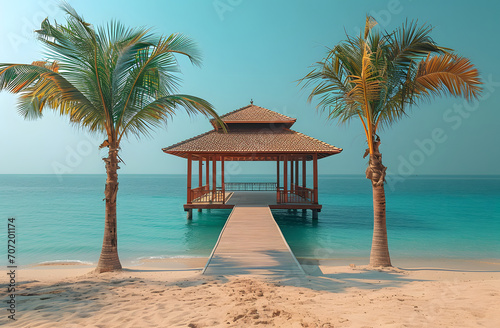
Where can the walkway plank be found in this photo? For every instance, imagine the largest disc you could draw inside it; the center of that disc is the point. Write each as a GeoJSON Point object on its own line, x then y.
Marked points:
{"type": "Point", "coordinates": [252, 243]}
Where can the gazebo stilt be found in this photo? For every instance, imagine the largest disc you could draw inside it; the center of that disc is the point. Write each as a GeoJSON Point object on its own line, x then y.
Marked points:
{"type": "Point", "coordinates": [314, 214]}
{"type": "Point", "coordinates": [190, 214]}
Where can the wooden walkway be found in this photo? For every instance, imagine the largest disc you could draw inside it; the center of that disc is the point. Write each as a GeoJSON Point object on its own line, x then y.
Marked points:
{"type": "Point", "coordinates": [252, 243]}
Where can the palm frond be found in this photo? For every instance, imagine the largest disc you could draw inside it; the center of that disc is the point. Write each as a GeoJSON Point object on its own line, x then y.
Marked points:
{"type": "Point", "coordinates": [377, 76]}
{"type": "Point", "coordinates": [331, 87]}
{"type": "Point", "coordinates": [149, 73]}
{"type": "Point", "coordinates": [447, 74]}
{"type": "Point", "coordinates": [107, 79]}
{"type": "Point", "coordinates": [40, 85]}
{"type": "Point", "coordinates": [366, 86]}
{"type": "Point", "coordinates": [390, 110]}
{"type": "Point", "coordinates": [411, 42]}
{"type": "Point", "coordinates": [160, 110]}
{"type": "Point", "coordinates": [183, 45]}
{"type": "Point", "coordinates": [369, 24]}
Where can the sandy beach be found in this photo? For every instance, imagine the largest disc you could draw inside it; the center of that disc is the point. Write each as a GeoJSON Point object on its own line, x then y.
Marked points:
{"type": "Point", "coordinates": [173, 293]}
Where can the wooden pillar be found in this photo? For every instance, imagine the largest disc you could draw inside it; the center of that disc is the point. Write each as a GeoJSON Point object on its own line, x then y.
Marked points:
{"type": "Point", "coordinates": [291, 175]}
{"type": "Point", "coordinates": [200, 172]}
{"type": "Point", "coordinates": [222, 180]}
{"type": "Point", "coordinates": [189, 168]}
{"type": "Point", "coordinates": [278, 180]}
{"type": "Point", "coordinates": [207, 173]}
{"type": "Point", "coordinates": [315, 174]}
{"type": "Point", "coordinates": [214, 177]}
{"type": "Point", "coordinates": [304, 172]}
{"type": "Point", "coordinates": [285, 179]}
{"type": "Point", "coordinates": [296, 175]}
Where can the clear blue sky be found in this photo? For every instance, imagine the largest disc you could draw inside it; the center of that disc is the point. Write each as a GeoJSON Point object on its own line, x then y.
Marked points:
{"type": "Point", "coordinates": [257, 49]}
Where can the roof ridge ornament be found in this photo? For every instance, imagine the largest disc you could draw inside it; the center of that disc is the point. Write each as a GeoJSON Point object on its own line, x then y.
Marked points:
{"type": "Point", "coordinates": [251, 101]}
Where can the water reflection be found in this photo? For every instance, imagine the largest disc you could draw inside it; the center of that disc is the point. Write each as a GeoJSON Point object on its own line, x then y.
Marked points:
{"type": "Point", "coordinates": [203, 230]}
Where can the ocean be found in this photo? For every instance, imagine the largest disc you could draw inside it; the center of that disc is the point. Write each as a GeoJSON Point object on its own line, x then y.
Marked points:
{"type": "Point", "coordinates": [62, 218]}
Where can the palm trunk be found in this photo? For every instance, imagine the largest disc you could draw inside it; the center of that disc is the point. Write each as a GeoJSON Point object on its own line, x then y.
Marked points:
{"type": "Point", "coordinates": [109, 261]}
{"type": "Point", "coordinates": [379, 255]}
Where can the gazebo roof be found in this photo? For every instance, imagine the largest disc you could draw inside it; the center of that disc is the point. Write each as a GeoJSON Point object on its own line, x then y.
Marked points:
{"type": "Point", "coordinates": [254, 114]}
{"type": "Point", "coordinates": [254, 133]}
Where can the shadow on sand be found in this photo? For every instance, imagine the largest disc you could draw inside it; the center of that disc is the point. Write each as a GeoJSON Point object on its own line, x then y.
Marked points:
{"type": "Point", "coordinates": [85, 296]}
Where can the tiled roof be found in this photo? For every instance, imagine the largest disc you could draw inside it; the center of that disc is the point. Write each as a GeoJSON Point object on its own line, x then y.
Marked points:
{"type": "Point", "coordinates": [255, 114]}
{"type": "Point", "coordinates": [245, 142]}
{"type": "Point", "coordinates": [254, 132]}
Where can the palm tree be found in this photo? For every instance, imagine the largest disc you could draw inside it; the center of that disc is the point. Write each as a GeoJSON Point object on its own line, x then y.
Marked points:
{"type": "Point", "coordinates": [110, 80]}
{"type": "Point", "coordinates": [376, 77]}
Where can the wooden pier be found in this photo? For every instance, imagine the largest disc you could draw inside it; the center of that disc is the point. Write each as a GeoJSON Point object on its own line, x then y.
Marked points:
{"type": "Point", "coordinates": [252, 243]}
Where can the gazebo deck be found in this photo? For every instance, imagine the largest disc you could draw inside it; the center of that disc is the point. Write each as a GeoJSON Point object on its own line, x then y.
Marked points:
{"type": "Point", "coordinates": [252, 198]}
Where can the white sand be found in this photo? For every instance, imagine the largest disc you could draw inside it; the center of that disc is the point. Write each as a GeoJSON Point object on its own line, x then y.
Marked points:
{"type": "Point", "coordinates": [174, 294]}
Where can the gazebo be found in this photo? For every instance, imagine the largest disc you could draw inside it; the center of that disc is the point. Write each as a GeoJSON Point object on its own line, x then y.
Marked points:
{"type": "Point", "coordinates": [253, 134]}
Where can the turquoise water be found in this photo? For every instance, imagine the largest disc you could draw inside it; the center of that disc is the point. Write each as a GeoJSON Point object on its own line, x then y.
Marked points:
{"type": "Point", "coordinates": [60, 219]}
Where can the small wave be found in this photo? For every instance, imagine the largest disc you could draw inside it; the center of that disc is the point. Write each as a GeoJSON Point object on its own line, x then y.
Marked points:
{"type": "Point", "coordinates": [64, 262]}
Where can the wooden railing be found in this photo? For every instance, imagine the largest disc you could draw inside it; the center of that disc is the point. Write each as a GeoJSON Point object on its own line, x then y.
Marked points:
{"type": "Point", "coordinates": [299, 195]}
{"type": "Point", "coordinates": [250, 186]}
{"type": "Point", "coordinates": [305, 193]}
{"type": "Point", "coordinates": [199, 194]}
{"type": "Point", "coordinates": [204, 195]}
{"type": "Point", "coordinates": [219, 196]}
